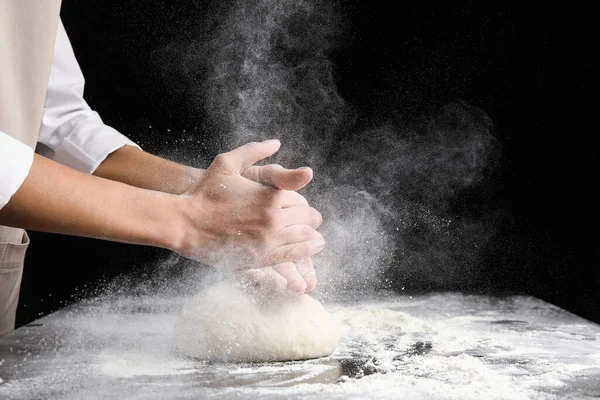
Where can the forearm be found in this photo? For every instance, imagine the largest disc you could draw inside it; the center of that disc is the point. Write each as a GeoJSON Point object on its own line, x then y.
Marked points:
{"type": "Point", "coordinates": [135, 167]}
{"type": "Point", "coordinates": [57, 199]}
{"type": "Point", "coordinates": [223, 219]}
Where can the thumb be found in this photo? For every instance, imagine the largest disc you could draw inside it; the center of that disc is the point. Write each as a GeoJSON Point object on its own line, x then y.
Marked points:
{"type": "Point", "coordinates": [249, 154]}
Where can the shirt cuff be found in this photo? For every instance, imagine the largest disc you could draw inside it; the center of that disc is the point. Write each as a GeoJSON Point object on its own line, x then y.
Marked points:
{"type": "Point", "coordinates": [16, 159]}
{"type": "Point", "coordinates": [88, 144]}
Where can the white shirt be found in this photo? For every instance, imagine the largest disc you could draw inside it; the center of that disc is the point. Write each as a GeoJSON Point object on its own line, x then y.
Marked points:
{"type": "Point", "coordinates": [71, 133]}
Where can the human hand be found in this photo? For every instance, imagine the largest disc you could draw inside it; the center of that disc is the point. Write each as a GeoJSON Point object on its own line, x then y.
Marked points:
{"type": "Point", "coordinates": [231, 220]}
{"type": "Point", "coordinates": [291, 277]}
{"type": "Point", "coordinates": [284, 278]}
{"type": "Point", "coordinates": [299, 277]}
{"type": "Point", "coordinates": [273, 175]}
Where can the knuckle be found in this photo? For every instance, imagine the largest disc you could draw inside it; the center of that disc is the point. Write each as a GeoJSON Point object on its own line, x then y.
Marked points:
{"type": "Point", "coordinates": [317, 217]}
{"type": "Point", "coordinates": [307, 232]}
{"type": "Point", "coordinates": [220, 159]}
{"type": "Point", "coordinates": [300, 286]}
{"type": "Point", "coordinates": [311, 283]}
{"type": "Point", "coordinates": [308, 248]}
{"type": "Point", "coordinates": [318, 236]}
{"type": "Point", "coordinates": [301, 199]}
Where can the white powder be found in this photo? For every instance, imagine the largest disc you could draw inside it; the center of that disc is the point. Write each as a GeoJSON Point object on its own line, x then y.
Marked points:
{"type": "Point", "coordinates": [443, 347]}
{"type": "Point", "coordinates": [135, 364]}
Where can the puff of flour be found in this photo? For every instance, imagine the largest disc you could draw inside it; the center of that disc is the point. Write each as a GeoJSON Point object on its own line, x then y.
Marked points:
{"type": "Point", "coordinates": [222, 323]}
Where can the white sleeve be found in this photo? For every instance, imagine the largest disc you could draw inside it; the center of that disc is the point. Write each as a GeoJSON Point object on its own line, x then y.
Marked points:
{"type": "Point", "coordinates": [72, 133]}
{"type": "Point", "coordinates": [15, 162]}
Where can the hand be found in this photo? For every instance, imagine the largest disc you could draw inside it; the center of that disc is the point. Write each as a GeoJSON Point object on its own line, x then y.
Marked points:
{"type": "Point", "coordinates": [297, 277]}
{"type": "Point", "coordinates": [231, 220]}
{"type": "Point", "coordinates": [137, 168]}
{"type": "Point", "coordinates": [290, 278]}
{"type": "Point", "coordinates": [287, 277]}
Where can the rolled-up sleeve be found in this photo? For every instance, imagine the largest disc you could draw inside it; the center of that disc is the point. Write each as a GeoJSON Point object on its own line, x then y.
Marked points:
{"type": "Point", "coordinates": [15, 162]}
{"type": "Point", "coordinates": [71, 133]}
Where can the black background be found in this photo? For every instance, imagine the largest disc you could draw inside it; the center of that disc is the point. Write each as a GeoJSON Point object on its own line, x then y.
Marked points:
{"type": "Point", "coordinates": [530, 70]}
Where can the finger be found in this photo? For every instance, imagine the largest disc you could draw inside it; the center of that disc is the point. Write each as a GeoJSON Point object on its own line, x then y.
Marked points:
{"type": "Point", "coordinates": [243, 157]}
{"type": "Point", "coordinates": [295, 282]}
{"type": "Point", "coordinates": [299, 215]}
{"type": "Point", "coordinates": [251, 276]}
{"type": "Point", "coordinates": [281, 178]}
{"type": "Point", "coordinates": [272, 281]}
{"type": "Point", "coordinates": [296, 234]}
{"type": "Point", "coordinates": [291, 199]}
{"type": "Point", "coordinates": [265, 279]}
{"type": "Point", "coordinates": [307, 272]}
{"type": "Point", "coordinates": [294, 252]}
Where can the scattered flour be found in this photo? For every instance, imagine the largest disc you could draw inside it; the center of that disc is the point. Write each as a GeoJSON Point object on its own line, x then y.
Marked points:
{"type": "Point", "coordinates": [439, 347]}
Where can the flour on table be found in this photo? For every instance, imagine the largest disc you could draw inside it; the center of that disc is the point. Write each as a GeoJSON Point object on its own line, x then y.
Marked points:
{"type": "Point", "coordinates": [223, 323]}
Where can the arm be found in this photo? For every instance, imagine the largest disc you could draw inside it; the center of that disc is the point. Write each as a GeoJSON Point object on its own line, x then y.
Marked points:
{"type": "Point", "coordinates": [58, 199]}
{"type": "Point", "coordinates": [225, 220]}
{"type": "Point", "coordinates": [138, 168]}
{"type": "Point", "coordinates": [74, 135]}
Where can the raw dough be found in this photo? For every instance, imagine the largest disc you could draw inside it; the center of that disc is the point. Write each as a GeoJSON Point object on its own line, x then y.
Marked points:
{"type": "Point", "coordinates": [222, 323]}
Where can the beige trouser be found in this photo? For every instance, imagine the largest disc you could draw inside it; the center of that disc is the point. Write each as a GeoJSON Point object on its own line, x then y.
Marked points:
{"type": "Point", "coordinates": [13, 244]}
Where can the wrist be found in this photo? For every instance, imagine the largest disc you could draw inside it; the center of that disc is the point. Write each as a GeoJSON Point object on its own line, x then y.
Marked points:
{"type": "Point", "coordinates": [190, 177]}
{"type": "Point", "coordinates": [182, 222]}
{"type": "Point", "coordinates": [168, 228]}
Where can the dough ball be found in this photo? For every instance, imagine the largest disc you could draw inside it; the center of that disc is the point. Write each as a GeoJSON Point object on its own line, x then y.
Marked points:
{"type": "Point", "coordinates": [222, 323]}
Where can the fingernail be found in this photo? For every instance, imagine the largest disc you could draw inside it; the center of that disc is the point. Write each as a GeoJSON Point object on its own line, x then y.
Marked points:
{"type": "Point", "coordinates": [271, 141]}
{"type": "Point", "coordinates": [319, 244]}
